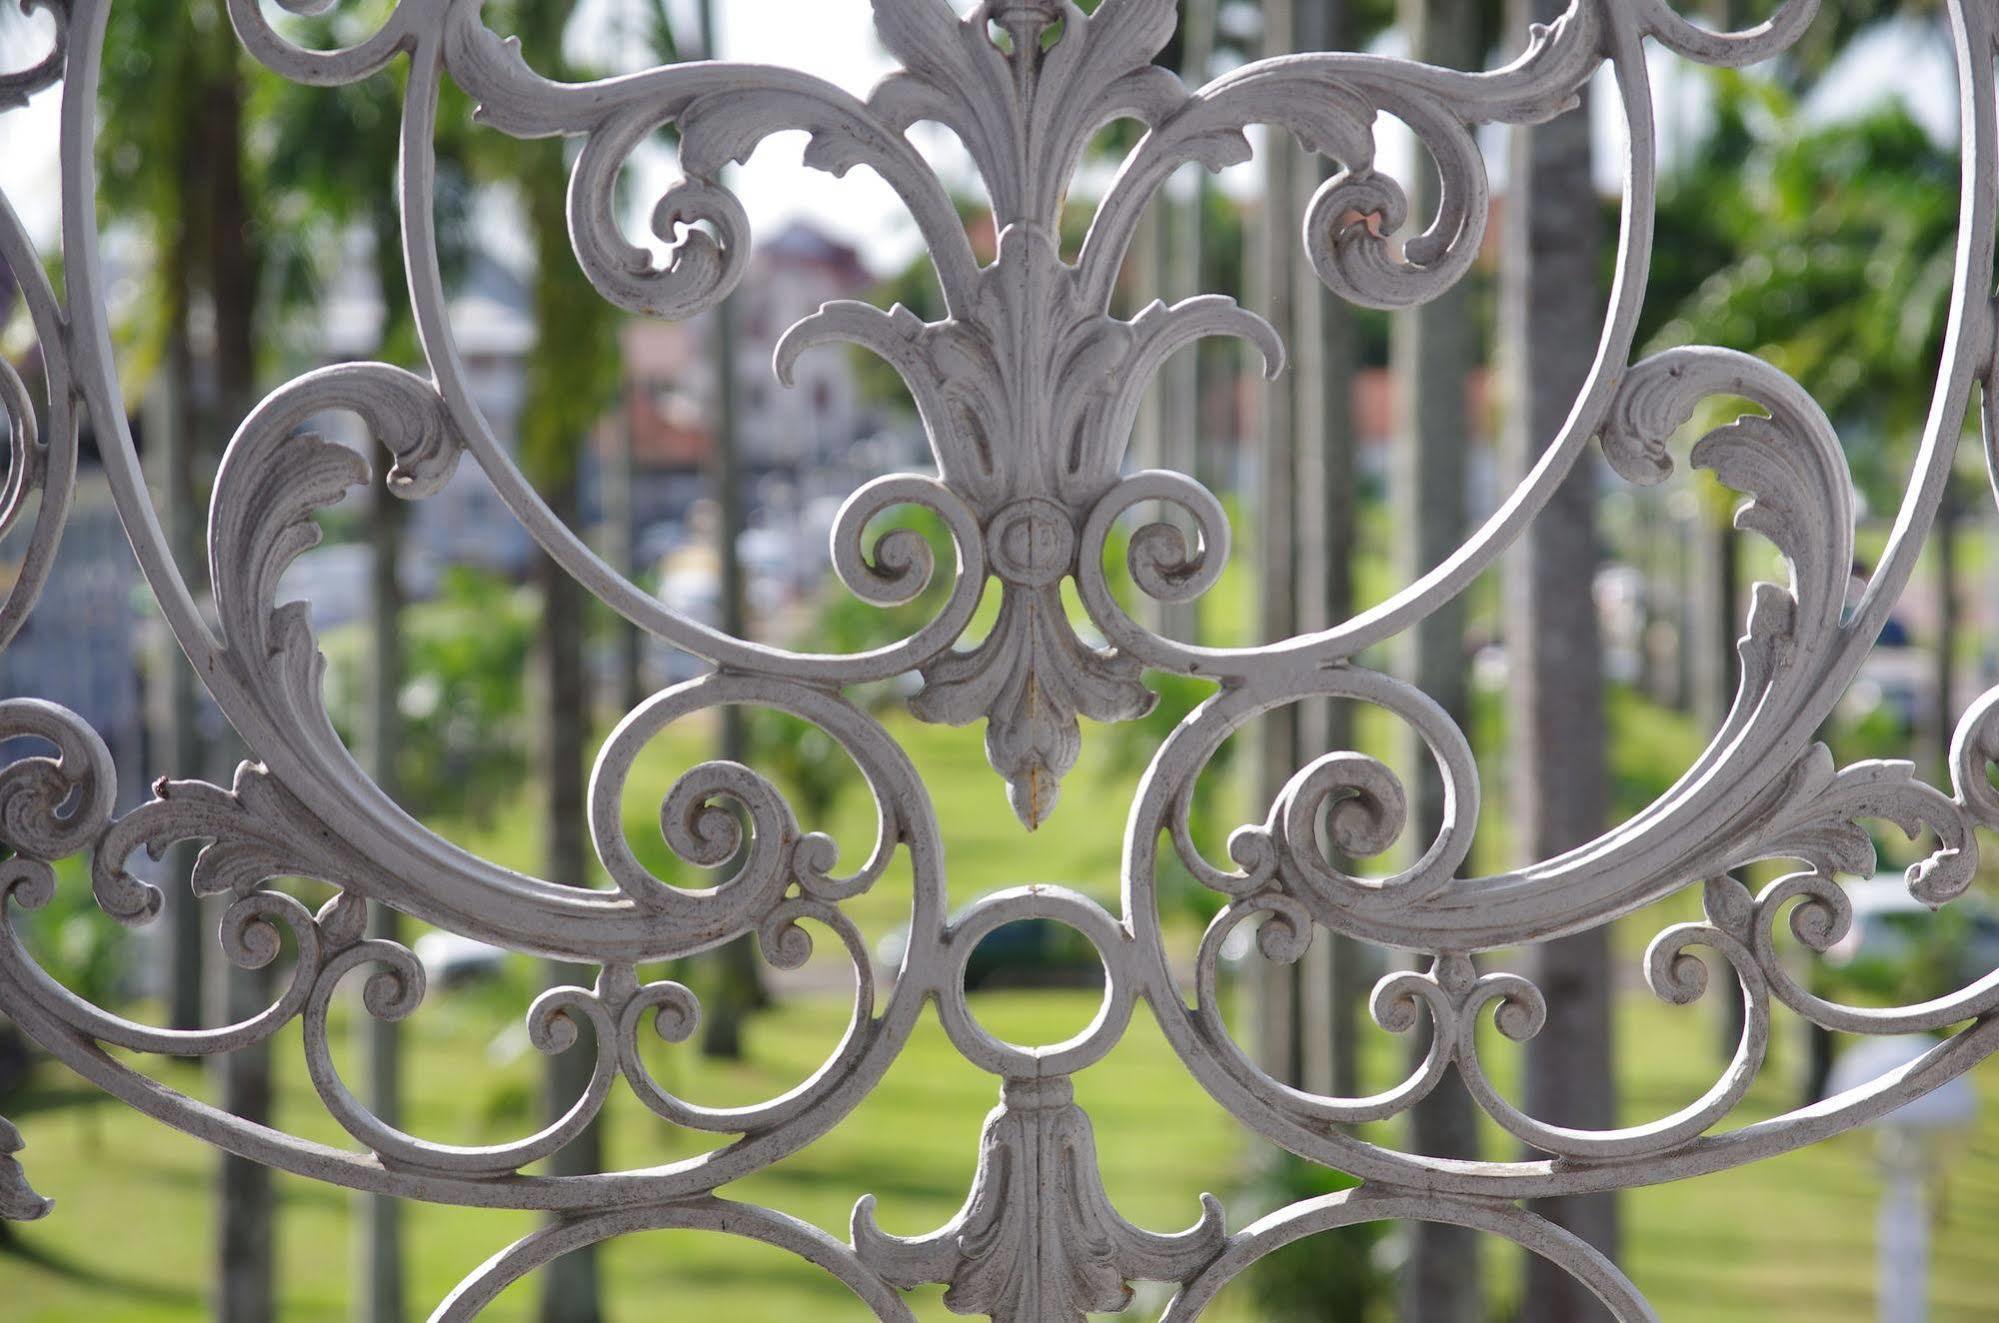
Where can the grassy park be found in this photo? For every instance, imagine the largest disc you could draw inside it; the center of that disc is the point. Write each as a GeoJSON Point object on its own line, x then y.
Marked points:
{"type": "Point", "coordinates": [474, 679]}
{"type": "Point", "coordinates": [1790, 1239]}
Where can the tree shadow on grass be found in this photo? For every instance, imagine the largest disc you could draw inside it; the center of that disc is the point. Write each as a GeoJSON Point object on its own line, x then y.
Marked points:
{"type": "Point", "coordinates": [20, 1249]}
{"type": "Point", "coordinates": [857, 1179]}
{"type": "Point", "coordinates": [293, 1191]}
{"type": "Point", "coordinates": [37, 1099]}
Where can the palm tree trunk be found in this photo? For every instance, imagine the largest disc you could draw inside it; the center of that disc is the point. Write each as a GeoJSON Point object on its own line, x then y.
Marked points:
{"type": "Point", "coordinates": [568, 316]}
{"type": "Point", "coordinates": [379, 1285]}
{"type": "Point", "coordinates": [1433, 349]}
{"type": "Point", "coordinates": [571, 1290]}
{"type": "Point", "coordinates": [737, 987]}
{"type": "Point", "coordinates": [230, 265]}
{"type": "Point", "coordinates": [1182, 251]}
{"type": "Point", "coordinates": [1327, 350]}
{"type": "Point", "coordinates": [620, 509]}
{"type": "Point", "coordinates": [174, 451]}
{"type": "Point", "coordinates": [1944, 539]}
{"type": "Point", "coordinates": [245, 1204]}
{"type": "Point", "coordinates": [177, 704]}
{"type": "Point", "coordinates": [1280, 1041]}
{"type": "Point", "coordinates": [1150, 268]}
{"type": "Point", "coordinates": [1720, 620]}
{"type": "Point", "coordinates": [1550, 308]}
{"type": "Point", "coordinates": [380, 1292]}
{"type": "Point", "coordinates": [1722, 616]}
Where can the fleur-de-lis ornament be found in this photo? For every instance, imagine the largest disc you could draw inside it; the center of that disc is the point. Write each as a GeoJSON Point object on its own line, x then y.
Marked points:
{"type": "Point", "coordinates": [1030, 386]}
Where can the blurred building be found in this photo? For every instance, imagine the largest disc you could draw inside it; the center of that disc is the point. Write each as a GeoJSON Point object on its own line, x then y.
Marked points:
{"type": "Point", "coordinates": [492, 321]}
{"type": "Point", "coordinates": [1377, 419]}
{"type": "Point", "coordinates": [1377, 426]}
{"type": "Point", "coordinates": [80, 645]}
{"type": "Point", "coordinates": [802, 435]}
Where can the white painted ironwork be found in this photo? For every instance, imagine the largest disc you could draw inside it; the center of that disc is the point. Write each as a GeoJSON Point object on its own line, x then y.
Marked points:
{"type": "Point", "coordinates": [1028, 389]}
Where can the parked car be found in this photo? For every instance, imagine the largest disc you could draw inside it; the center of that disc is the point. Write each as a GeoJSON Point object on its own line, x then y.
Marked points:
{"type": "Point", "coordinates": [1898, 951]}
{"type": "Point", "coordinates": [1896, 939]}
{"type": "Point", "coordinates": [1239, 953]}
{"type": "Point", "coordinates": [1027, 953]}
{"type": "Point", "coordinates": [451, 961]}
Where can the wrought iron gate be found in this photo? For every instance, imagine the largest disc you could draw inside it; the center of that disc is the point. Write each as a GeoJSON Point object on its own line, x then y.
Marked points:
{"type": "Point", "coordinates": [1028, 390]}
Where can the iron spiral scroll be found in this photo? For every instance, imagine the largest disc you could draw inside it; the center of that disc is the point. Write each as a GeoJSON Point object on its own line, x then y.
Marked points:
{"type": "Point", "coordinates": [1027, 388]}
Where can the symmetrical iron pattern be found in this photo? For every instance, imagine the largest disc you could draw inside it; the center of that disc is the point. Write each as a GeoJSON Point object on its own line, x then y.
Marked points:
{"type": "Point", "coordinates": [1028, 389]}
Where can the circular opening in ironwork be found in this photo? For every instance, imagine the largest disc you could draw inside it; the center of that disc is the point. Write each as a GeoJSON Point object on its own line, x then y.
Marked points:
{"type": "Point", "coordinates": [1032, 976]}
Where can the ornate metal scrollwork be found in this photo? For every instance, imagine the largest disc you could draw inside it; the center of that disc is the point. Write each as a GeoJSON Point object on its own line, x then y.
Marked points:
{"type": "Point", "coordinates": [1027, 387]}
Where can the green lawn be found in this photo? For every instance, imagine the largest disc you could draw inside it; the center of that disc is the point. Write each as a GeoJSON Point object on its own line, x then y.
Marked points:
{"type": "Point", "coordinates": [131, 1239]}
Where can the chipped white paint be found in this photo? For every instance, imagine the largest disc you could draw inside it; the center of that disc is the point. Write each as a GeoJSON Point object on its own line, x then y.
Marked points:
{"type": "Point", "coordinates": [1028, 389]}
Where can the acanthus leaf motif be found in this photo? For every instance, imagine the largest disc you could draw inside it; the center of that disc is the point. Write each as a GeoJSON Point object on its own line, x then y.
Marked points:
{"type": "Point", "coordinates": [1028, 400]}
{"type": "Point", "coordinates": [1026, 110]}
{"type": "Point", "coordinates": [1031, 678]}
{"type": "Point", "coordinates": [1814, 814]}
{"type": "Point", "coordinates": [1038, 1239]}
{"type": "Point", "coordinates": [18, 1200]}
{"type": "Point", "coordinates": [275, 476]}
{"type": "Point", "coordinates": [1041, 460]}
{"type": "Point", "coordinates": [255, 832]}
